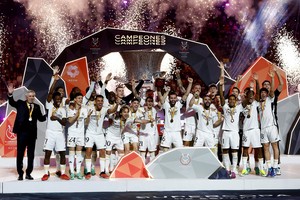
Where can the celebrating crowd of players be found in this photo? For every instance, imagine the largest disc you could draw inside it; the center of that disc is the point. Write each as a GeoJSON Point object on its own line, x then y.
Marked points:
{"type": "Point", "coordinates": [108, 124]}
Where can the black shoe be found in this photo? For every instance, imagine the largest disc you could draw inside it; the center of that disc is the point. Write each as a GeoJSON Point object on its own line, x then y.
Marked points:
{"type": "Point", "coordinates": [20, 178]}
{"type": "Point", "coordinates": [29, 177]}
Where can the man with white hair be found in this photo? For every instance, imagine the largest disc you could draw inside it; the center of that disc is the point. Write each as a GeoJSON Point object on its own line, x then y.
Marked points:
{"type": "Point", "coordinates": [25, 126]}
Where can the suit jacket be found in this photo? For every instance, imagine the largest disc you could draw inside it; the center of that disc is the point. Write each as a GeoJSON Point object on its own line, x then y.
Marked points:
{"type": "Point", "coordinates": [22, 125]}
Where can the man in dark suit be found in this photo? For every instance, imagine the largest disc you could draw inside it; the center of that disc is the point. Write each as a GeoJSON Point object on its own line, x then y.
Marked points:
{"type": "Point", "coordinates": [25, 127]}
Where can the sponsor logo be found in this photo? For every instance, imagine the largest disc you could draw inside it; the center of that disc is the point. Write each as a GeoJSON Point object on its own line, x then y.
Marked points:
{"type": "Point", "coordinates": [73, 71]}
{"type": "Point", "coordinates": [184, 49]}
{"type": "Point", "coordinates": [9, 134]}
{"type": "Point", "coordinates": [95, 45]}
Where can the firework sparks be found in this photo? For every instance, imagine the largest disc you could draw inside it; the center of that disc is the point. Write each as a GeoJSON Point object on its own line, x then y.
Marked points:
{"type": "Point", "coordinates": [287, 55]}
{"type": "Point", "coordinates": [257, 34]}
{"type": "Point", "coordinates": [2, 38]}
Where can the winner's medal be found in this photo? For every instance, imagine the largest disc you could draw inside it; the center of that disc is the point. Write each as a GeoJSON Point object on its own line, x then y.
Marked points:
{"type": "Point", "coordinates": [30, 119]}
{"type": "Point", "coordinates": [232, 120]}
{"type": "Point", "coordinates": [171, 120]}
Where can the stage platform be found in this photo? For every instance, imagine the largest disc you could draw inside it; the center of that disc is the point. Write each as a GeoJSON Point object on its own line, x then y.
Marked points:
{"type": "Point", "coordinates": [289, 180]}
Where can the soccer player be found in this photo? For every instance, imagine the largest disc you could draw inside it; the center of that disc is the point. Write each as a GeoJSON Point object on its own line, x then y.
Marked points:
{"type": "Point", "coordinates": [76, 118]}
{"type": "Point", "coordinates": [148, 135]}
{"type": "Point", "coordinates": [55, 137]}
{"type": "Point", "coordinates": [172, 131]}
{"type": "Point", "coordinates": [230, 137]}
{"type": "Point", "coordinates": [190, 115]}
{"type": "Point", "coordinates": [95, 134]}
{"type": "Point", "coordinates": [205, 132]}
{"type": "Point", "coordinates": [269, 130]}
{"type": "Point", "coordinates": [251, 133]}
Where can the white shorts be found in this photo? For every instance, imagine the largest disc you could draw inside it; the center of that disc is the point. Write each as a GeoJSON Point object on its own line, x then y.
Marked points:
{"type": "Point", "coordinates": [169, 138]}
{"type": "Point", "coordinates": [230, 139]}
{"type": "Point", "coordinates": [269, 135]}
{"type": "Point", "coordinates": [98, 140]}
{"type": "Point", "coordinates": [55, 140]}
{"type": "Point", "coordinates": [129, 138]}
{"type": "Point", "coordinates": [148, 142]}
{"type": "Point", "coordinates": [74, 141]}
{"type": "Point", "coordinates": [113, 142]}
{"type": "Point", "coordinates": [251, 137]}
{"type": "Point", "coordinates": [204, 139]}
{"type": "Point", "coordinates": [189, 132]}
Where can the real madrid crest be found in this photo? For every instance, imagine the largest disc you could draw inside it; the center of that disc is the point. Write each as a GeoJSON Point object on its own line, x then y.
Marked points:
{"type": "Point", "coordinates": [185, 159]}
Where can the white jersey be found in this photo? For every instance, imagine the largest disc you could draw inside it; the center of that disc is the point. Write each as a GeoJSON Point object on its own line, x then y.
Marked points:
{"type": "Point", "coordinates": [58, 112]}
{"type": "Point", "coordinates": [172, 116]}
{"type": "Point", "coordinates": [205, 121]}
{"type": "Point", "coordinates": [77, 128]}
{"type": "Point", "coordinates": [149, 128]}
{"type": "Point", "coordinates": [231, 117]}
{"type": "Point", "coordinates": [190, 114]}
{"type": "Point", "coordinates": [95, 126]}
{"type": "Point", "coordinates": [132, 116]}
{"type": "Point", "coordinates": [115, 127]}
{"type": "Point", "coordinates": [266, 113]}
{"type": "Point", "coordinates": [251, 116]}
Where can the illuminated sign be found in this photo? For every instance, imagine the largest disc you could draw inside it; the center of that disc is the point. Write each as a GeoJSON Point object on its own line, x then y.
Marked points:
{"type": "Point", "coordinates": [159, 40]}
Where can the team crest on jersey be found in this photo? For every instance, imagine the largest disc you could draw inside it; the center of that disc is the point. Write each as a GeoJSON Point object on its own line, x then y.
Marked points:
{"type": "Point", "coordinates": [185, 159]}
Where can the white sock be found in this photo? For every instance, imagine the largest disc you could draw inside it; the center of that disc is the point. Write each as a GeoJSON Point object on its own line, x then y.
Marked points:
{"type": "Point", "coordinates": [107, 162]}
{"type": "Point", "coordinates": [102, 164]}
{"type": "Point", "coordinates": [152, 156]}
{"type": "Point", "coordinates": [244, 160]}
{"type": "Point", "coordinates": [63, 169]}
{"type": "Point", "coordinates": [269, 165]}
{"type": "Point", "coordinates": [143, 155]}
{"type": "Point", "coordinates": [94, 159]}
{"type": "Point", "coordinates": [79, 159]}
{"type": "Point", "coordinates": [235, 160]}
{"type": "Point", "coordinates": [46, 169]}
{"type": "Point", "coordinates": [88, 165]}
{"type": "Point", "coordinates": [275, 164]}
{"type": "Point", "coordinates": [71, 161]}
{"type": "Point", "coordinates": [57, 160]}
{"type": "Point", "coordinates": [261, 163]}
{"type": "Point", "coordinates": [226, 161]}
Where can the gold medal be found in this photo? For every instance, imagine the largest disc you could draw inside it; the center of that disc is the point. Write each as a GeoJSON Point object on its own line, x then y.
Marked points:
{"type": "Point", "coordinates": [171, 120]}
{"type": "Point", "coordinates": [30, 119]}
{"type": "Point", "coordinates": [232, 120]}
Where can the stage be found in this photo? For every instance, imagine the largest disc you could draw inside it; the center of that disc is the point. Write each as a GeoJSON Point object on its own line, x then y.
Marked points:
{"type": "Point", "coordinates": [289, 180]}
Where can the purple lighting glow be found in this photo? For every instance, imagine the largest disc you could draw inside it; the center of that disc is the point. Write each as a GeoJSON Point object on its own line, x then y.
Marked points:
{"type": "Point", "coordinates": [227, 4]}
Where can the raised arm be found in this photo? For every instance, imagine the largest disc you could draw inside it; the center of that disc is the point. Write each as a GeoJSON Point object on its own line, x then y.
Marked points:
{"type": "Point", "coordinates": [11, 101]}
{"type": "Point", "coordinates": [221, 84]}
{"type": "Point", "coordinates": [162, 99]}
{"type": "Point", "coordinates": [179, 82]}
{"type": "Point", "coordinates": [188, 90]}
{"type": "Point", "coordinates": [271, 92]}
{"type": "Point", "coordinates": [54, 80]}
{"type": "Point", "coordinates": [237, 81]}
{"type": "Point", "coordinates": [192, 101]}
{"type": "Point", "coordinates": [280, 86]}
{"type": "Point", "coordinates": [255, 78]}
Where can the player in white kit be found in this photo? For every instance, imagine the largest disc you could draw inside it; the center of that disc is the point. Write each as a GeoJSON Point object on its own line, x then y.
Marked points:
{"type": "Point", "coordinates": [55, 137]}
{"type": "Point", "coordinates": [230, 137]}
{"type": "Point", "coordinates": [251, 132]}
{"type": "Point", "coordinates": [95, 134]}
{"type": "Point", "coordinates": [204, 132]}
{"type": "Point", "coordinates": [190, 116]}
{"type": "Point", "coordinates": [172, 125]}
{"type": "Point", "coordinates": [148, 136]}
{"type": "Point", "coordinates": [77, 115]}
{"type": "Point", "coordinates": [269, 131]}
